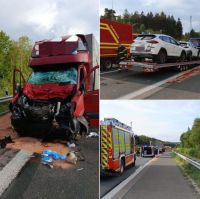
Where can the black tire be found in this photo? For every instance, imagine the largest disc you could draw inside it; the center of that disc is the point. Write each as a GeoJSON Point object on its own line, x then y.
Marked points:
{"type": "Point", "coordinates": [107, 64]}
{"type": "Point", "coordinates": [122, 166]}
{"type": "Point", "coordinates": [183, 56]}
{"type": "Point", "coordinates": [162, 57]}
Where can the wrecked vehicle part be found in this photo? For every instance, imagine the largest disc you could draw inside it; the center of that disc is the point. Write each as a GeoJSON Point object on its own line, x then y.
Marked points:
{"type": "Point", "coordinates": [37, 117]}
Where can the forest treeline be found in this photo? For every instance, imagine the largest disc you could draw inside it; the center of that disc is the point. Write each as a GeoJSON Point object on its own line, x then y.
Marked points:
{"type": "Point", "coordinates": [13, 54]}
{"type": "Point", "coordinates": [190, 140]}
{"type": "Point", "coordinates": [151, 23]}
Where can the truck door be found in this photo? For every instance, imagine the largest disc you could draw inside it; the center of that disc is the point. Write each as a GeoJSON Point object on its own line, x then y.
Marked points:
{"type": "Point", "coordinates": [91, 99]}
{"type": "Point", "coordinates": [18, 81]}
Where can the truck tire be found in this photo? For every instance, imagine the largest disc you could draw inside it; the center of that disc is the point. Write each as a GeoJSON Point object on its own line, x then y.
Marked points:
{"type": "Point", "coordinates": [162, 57]}
{"type": "Point", "coordinates": [107, 64]}
{"type": "Point", "coordinates": [122, 166]}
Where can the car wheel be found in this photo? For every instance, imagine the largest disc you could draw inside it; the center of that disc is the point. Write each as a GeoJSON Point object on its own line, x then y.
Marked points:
{"type": "Point", "coordinates": [183, 57]}
{"type": "Point", "coordinates": [162, 57]}
{"type": "Point", "coordinates": [198, 56]}
{"type": "Point", "coordinates": [122, 167]}
{"type": "Point", "coordinates": [189, 56]}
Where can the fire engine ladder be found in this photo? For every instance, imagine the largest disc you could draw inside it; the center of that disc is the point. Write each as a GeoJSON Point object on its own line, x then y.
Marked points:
{"type": "Point", "coordinates": [104, 147]}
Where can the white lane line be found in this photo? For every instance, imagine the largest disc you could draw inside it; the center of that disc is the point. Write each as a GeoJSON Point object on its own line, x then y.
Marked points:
{"type": "Point", "coordinates": [119, 187]}
{"type": "Point", "coordinates": [10, 171]}
{"type": "Point", "coordinates": [142, 91]}
{"type": "Point", "coordinates": [113, 71]}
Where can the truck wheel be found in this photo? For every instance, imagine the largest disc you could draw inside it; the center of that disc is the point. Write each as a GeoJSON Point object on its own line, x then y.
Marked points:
{"type": "Point", "coordinates": [183, 57]}
{"type": "Point", "coordinates": [121, 167]}
{"type": "Point", "coordinates": [162, 57]}
{"type": "Point", "coordinates": [107, 64]}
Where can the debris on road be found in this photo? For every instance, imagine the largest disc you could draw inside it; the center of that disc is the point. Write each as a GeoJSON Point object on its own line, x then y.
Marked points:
{"type": "Point", "coordinates": [93, 134]}
{"type": "Point", "coordinates": [80, 169]}
{"type": "Point", "coordinates": [71, 157]}
{"type": "Point", "coordinates": [71, 145]}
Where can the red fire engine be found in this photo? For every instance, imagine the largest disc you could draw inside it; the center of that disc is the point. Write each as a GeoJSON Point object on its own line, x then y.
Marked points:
{"type": "Point", "coordinates": [117, 146]}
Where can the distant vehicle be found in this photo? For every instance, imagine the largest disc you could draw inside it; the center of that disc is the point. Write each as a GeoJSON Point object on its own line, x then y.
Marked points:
{"type": "Point", "coordinates": [195, 42]}
{"type": "Point", "coordinates": [117, 148]}
{"type": "Point", "coordinates": [148, 151]}
{"type": "Point", "coordinates": [158, 47]}
{"type": "Point", "coordinates": [191, 51]}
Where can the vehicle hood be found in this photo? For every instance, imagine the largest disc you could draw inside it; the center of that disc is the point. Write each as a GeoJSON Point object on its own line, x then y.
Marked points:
{"type": "Point", "coordinates": [47, 91]}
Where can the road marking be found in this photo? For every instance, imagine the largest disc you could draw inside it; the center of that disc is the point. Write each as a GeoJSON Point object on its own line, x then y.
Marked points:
{"type": "Point", "coordinates": [113, 71]}
{"type": "Point", "coordinates": [10, 171]}
{"type": "Point", "coordinates": [115, 191]}
{"type": "Point", "coordinates": [155, 86]}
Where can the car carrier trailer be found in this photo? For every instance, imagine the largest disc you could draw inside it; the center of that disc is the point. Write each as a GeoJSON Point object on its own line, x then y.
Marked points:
{"type": "Point", "coordinates": [149, 66]}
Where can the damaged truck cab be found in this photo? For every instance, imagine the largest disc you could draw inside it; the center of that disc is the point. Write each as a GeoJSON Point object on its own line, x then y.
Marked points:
{"type": "Point", "coordinates": [62, 91]}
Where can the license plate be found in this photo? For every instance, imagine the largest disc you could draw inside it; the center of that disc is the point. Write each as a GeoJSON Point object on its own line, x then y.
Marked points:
{"type": "Point", "coordinates": [139, 49]}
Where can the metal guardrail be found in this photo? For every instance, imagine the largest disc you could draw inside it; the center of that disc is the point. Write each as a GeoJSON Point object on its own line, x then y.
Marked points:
{"type": "Point", "coordinates": [5, 99]}
{"type": "Point", "coordinates": [189, 160]}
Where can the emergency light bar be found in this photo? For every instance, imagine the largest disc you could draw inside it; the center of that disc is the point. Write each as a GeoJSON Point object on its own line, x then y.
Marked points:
{"type": "Point", "coordinates": [115, 122]}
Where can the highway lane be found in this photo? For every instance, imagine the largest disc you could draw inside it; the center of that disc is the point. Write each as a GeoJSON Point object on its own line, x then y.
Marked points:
{"type": "Point", "coordinates": [107, 183]}
{"type": "Point", "coordinates": [160, 179]}
{"type": "Point", "coordinates": [39, 181]}
{"type": "Point", "coordinates": [118, 84]}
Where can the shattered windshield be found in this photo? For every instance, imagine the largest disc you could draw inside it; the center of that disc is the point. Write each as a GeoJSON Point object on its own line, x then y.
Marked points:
{"type": "Point", "coordinates": [68, 76]}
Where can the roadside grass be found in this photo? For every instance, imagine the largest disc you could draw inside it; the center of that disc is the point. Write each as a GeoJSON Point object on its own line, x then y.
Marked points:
{"type": "Point", "coordinates": [188, 169]}
{"type": "Point", "coordinates": [4, 106]}
{"type": "Point", "coordinates": [192, 152]}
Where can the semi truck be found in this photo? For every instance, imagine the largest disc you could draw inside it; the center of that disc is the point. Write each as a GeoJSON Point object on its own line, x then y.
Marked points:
{"type": "Point", "coordinates": [62, 91]}
{"type": "Point", "coordinates": [117, 146]}
{"type": "Point", "coordinates": [112, 35]}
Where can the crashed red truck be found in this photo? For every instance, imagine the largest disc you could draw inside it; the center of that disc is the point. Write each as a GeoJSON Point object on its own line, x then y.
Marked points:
{"type": "Point", "coordinates": [62, 90]}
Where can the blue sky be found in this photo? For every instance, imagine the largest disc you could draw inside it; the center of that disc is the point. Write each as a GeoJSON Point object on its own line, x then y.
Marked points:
{"type": "Point", "coordinates": [40, 19]}
{"type": "Point", "coordinates": [182, 9]}
{"type": "Point", "coordinates": [162, 119]}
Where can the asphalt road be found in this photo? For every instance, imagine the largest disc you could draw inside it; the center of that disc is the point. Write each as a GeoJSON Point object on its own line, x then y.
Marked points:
{"type": "Point", "coordinates": [117, 84]}
{"type": "Point", "coordinates": [188, 89]}
{"type": "Point", "coordinates": [160, 179]}
{"type": "Point", "coordinates": [39, 181]}
{"type": "Point", "coordinates": [107, 183]}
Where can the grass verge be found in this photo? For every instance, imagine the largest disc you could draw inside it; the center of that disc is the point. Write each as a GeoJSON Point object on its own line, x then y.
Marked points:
{"type": "Point", "coordinates": [188, 169]}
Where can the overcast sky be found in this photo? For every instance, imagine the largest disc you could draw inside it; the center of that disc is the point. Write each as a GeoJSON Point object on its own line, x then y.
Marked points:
{"type": "Point", "coordinates": [182, 9]}
{"type": "Point", "coordinates": [161, 119]}
{"type": "Point", "coordinates": [41, 19]}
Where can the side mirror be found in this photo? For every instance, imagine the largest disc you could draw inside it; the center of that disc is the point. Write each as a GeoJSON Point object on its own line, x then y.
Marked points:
{"type": "Point", "coordinates": [18, 88]}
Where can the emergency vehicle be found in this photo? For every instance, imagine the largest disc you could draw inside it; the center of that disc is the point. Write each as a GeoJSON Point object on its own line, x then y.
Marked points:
{"type": "Point", "coordinates": [112, 35]}
{"type": "Point", "coordinates": [117, 146]}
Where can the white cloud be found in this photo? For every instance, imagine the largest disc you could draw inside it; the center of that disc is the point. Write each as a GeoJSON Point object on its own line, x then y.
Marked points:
{"type": "Point", "coordinates": [162, 119]}
{"type": "Point", "coordinates": [49, 18]}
